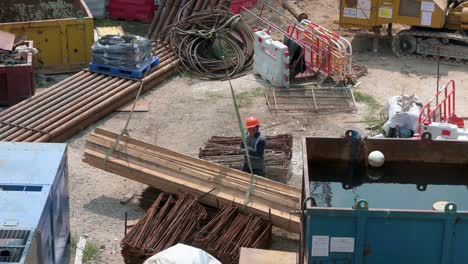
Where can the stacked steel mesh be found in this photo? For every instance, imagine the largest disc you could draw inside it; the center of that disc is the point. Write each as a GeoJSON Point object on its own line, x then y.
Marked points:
{"type": "Point", "coordinates": [169, 221]}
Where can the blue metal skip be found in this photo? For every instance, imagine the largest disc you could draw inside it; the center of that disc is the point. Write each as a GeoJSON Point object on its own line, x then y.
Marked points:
{"type": "Point", "coordinates": [34, 215]}
{"type": "Point", "coordinates": [366, 234]}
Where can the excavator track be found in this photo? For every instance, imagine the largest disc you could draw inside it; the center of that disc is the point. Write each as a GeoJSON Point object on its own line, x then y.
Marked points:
{"type": "Point", "coordinates": [451, 47]}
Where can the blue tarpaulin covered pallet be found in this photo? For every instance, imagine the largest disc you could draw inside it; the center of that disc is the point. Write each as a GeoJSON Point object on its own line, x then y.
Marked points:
{"type": "Point", "coordinates": [128, 73]}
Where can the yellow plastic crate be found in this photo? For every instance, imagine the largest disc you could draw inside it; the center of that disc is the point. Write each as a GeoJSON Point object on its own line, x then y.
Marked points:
{"type": "Point", "coordinates": [64, 43]}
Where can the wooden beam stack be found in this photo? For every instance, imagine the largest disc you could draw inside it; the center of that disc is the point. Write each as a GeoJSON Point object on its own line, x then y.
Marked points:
{"type": "Point", "coordinates": [173, 172]}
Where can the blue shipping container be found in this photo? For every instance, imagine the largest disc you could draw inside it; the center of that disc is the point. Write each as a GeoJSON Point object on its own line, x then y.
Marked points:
{"type": "Point", "coordinates": [353, 213]}
{"type": "Point", "coordinates": [34, 215]}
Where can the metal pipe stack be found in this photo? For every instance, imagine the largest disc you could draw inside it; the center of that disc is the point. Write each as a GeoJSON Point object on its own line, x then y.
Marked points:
{"type": "Point", "coordinates": [82, 99]}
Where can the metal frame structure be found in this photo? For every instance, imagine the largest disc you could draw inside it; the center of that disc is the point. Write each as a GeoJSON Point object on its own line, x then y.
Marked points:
{"type": "Point", "coordinates": [324, 51]}
{"type": "Point", "coordinates": [444, 108]}
{"type": "Point", "coordinates": [314, 99]}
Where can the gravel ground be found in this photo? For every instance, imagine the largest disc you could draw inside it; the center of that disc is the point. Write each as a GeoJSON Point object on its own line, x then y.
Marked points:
{"type": "Point", "coordinates": [186, 112]}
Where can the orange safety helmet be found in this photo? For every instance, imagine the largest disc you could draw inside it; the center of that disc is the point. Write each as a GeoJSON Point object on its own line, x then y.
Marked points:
{"type": "Point", "coordinates": [252, 122]}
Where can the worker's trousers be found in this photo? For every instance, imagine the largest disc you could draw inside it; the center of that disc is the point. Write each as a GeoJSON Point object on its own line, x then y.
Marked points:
{"type": "Point", "coordinates": [259, 172]}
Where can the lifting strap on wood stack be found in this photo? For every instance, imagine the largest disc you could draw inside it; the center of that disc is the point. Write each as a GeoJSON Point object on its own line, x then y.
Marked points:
{"type": "Point", "coordinates": [242, 131]}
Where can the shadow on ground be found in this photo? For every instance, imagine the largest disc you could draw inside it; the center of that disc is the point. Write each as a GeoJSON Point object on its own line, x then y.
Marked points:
{"type": "Point", "coordinates": [111, 207]}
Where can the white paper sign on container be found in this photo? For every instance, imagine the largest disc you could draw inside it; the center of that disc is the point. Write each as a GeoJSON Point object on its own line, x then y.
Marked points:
{"type": "Point", "coordinates": [320, 246]}
{"type": "Point", "coordinates": [349, 12]}
{"type": "Point", "coordinates": [427, 6]}
{"type": "Point", "coordinates": [342, 244]}
{"type": "Point", "coordinates": [426, 18]}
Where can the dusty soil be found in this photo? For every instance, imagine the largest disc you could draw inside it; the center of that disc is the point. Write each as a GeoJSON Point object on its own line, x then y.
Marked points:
{"type": "Point", "coordinates": [185, 112]}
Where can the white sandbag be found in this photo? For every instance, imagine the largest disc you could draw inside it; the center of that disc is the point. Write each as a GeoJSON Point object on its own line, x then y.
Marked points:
{"type": "Point", "coordinates": [182, 254]}
{"type": "Point", "coordinates": [403, 112]}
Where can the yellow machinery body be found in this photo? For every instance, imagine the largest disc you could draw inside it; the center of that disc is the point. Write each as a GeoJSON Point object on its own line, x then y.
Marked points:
{"type": "Point", "coordinates": [437, 27]}
{"type": "Point", "coordinates": [369, 14]}
{"type": "Point", "coordinates": [64, 44]}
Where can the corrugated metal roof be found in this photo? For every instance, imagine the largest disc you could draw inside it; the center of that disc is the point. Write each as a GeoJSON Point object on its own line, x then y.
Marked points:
{"type": "Point", "coordinates": [29, 163]}
{"type": "Point", "coordinates": [22, 210]}
{"type": "Point", "coordinates": [23, 165]}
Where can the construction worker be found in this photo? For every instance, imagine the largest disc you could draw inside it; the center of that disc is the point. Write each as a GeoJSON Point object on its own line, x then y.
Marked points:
{"type": "Point", "coordinates": [256, 144]}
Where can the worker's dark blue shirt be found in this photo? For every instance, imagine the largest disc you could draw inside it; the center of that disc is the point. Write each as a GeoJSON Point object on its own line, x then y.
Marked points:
{"type": "Point", "coordinates": [256, 146]}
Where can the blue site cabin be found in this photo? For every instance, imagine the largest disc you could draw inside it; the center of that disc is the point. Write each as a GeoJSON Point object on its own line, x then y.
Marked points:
{"type": "Point", "coordinates": [34, 207]}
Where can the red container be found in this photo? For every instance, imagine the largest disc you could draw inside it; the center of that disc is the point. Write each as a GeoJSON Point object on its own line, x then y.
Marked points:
{"type": "Point", "coordinates": [17, 82]}
{"type": "Point", "coordinates": [132, 10]}
{"type": "Point", "coordinates": [236, 5]}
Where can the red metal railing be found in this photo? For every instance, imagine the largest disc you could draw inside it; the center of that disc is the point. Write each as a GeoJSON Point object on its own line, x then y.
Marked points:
{"type": "Point", "coordinates": [444, 108]}
{"type": "Point", "coordinates": [322, 49]}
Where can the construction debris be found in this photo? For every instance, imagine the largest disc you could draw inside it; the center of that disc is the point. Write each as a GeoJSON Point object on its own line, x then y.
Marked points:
{"type": "Point", "coordinates": [169, 221]}
{"type": "Point", "coordinates": [278, 153]}
{"type": "Point", "coordinates": [230, 230]}
{"type": "Point", "coordinates": [215, 185]}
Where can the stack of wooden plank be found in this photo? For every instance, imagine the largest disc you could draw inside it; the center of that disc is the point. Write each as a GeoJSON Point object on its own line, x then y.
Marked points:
{"type": "Point", "coordinates": [214, 184]}
{"type": "Point", "coordinates": [278, 153]}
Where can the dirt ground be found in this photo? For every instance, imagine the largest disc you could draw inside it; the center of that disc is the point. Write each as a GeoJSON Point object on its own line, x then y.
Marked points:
{"type": "Point", "coordinates": [185, 112]}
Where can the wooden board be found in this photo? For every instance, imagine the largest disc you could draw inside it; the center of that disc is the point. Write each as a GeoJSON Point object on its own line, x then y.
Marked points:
{"type": "Point", "coordinates": [102, 31]}
{"type": "Point", "coordinates": [261, 256]}
{"type": "Point", "coordinates": [173, 172]}
{"type": "Point", "coordinates": [7, 40]}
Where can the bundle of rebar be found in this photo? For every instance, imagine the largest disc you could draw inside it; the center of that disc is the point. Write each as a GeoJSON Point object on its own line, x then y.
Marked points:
{"type": "Point", "coordinates": [147, 197]}
{"type": "Point", "coordinates": [212, 44]}
{"type": "Point", "coordinates": [221, 145]}
{"type": "Point", "coordinates": [225, 151]}
{"type": "Point", "coordinates": [82, 99]}
{"type": "Point", "coordinates": [169, 221]}
{"type": "Point", "coordinates": [230, 230]}
{"type": "Point", "coordinates": [173, 172]}
{"type": "Point", "coordinates": [173, 10]}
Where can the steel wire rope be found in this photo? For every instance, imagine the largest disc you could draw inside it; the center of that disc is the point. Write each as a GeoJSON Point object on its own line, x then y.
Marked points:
{"type": "Point", "coordinates": [196, 41]}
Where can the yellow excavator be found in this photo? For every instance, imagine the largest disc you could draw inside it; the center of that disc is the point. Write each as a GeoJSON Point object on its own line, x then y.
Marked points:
{"type": "Point", "coordinates": [437, 27]}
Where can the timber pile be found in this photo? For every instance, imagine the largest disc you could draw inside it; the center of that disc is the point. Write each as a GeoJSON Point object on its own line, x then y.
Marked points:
{"type": "Point", "coordinates": [225, 151]}
{"type": "Point", "coordinates": [169, 221]}
{"type": "Point", "coordinates": [215, 185]}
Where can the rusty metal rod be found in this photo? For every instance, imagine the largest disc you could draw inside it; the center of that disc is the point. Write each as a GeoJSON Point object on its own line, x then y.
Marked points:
{"type": "Point", "coordinates": [63, 111]}
{"type": "Point", "coordinates": [21, 116]}
{"type": "Point", "coordinates": [60, 118]}
{"type": "Point", "coordinates": [31, 102]}
{"type": "Point", "coordinates": [46, 111]}
{"type": "Point", "coordinates": [124, 96]}
{"type": "Point", "coordinates": [80, 107]}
